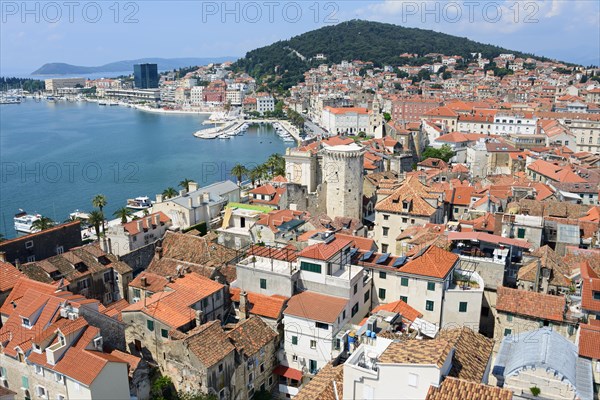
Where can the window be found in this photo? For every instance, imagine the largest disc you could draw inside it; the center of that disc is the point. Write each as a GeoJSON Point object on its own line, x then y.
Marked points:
{"type": "Point", "coordinates": [164, 333]}
{"type": "Point", "coordinates": [521, 233]}
{"type": "Point", "coordinates": [60, 397]}
{"type": "Point", "coordinates": [367, 295]}
{"type": "Point", "coordinates": [25, 382]}
{"type": "Point", "coordinates": [107, 277]}
{"type": "Point", "coordinates": [413, 380]}
{"type": "Point", "coordinates": [60, 249]}
{"type": "Point", "coordinates": [385, 231]}
{"type": "Point", "coordinates": [294, 340]}
{"type": "Point", "coordinates": [263, 283]}
{"type": "Point", "coordinates": [29, 244]}
{"type": "Point", "coordinates": [31, 259]}
{"type": "Point", "coordinates": [39, 370]}
{"type": "Point", "coordinates": [431, 286]}
{"type": "Point", "coordinates": [382, 294]}
{"type": "Point", "coordinates": [507, 331]}
{"type": "Point", "coordinates": [150, 325]}
{"type": "Point", "coordinates": [384, 248]}
{"type": "Point", "coordinates": [321, 325]}
{"type": "Point", "coordinates": [313, 344]}
{"type": "Point", "coordinates": [58, 377]}
{"type": "Point", "coordinates": [386, 217]}
{"type": "Point", "coordinates": [455, 210]}
{"type": "Point", "coordinates": [310, 267]}
{"type": "Point", "coordinates": [136, 293]}
{"type": "Point", "coordinates": [382, 275]}
{"type": "Point", "coordinates": [509, 317]}
{"type": "Point", "coordinates": [596, 295]}
{"type": "Point", "coordinates": [84, 283]}
{"type": "Point", "coordinates": [295, 358]}
{"type": "Point", "coordinates": [262, 367]}
{"type": "Point", "coordinates": [462, 306]}
{"type": "Point", "coordinates": [354, 309]}
{"type": "Point", "coordinates": [41, 391]}
{"type": "Point", "coordinates": [344, 314]}
{"type": "Point", "coordinates": [429, 305]}
{"type": "Point", "coordinates": [404, 281]}
{"type": "Point", "coordinates": [312, 364]}
{"type": "Point", "coordinates": [355, 288]}
{"type": "Point", "coordinates": [26, 322]}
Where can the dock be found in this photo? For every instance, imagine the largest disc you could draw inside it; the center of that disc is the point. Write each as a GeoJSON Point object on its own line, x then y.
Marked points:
{"type": "Point", "coordinates": [229, 128]}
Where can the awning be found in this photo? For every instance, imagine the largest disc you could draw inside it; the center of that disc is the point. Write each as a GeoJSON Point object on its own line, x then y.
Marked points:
{"type": "Point", "coordinates": [288, 372]}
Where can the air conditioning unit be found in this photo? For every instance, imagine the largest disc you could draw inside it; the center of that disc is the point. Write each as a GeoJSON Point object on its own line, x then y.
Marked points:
{"type": "Point", "coordinates": [135, 299]}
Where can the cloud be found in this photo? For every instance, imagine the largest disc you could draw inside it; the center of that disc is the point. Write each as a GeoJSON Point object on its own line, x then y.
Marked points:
{"type": "Point", "coordinates": [555, 9]}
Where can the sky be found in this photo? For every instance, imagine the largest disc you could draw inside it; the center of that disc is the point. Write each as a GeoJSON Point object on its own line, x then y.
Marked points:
{"type": "Point", "coordinates": [98, 32]}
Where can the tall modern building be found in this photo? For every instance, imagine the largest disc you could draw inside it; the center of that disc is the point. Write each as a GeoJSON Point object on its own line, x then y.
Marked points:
{"type": "Point", "coordinates": [146, 76]}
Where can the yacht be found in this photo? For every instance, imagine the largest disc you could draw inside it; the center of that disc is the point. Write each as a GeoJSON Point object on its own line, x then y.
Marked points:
{"type": "Point", "coordinates": [24, 221]}
{"type": "Point", "coordinates": [139, 203]}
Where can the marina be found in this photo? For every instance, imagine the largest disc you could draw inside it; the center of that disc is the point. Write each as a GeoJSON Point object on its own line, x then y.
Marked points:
{"type": "Point", "coordinates": [225, 129]}
{"type": "Point", "coordinates": [82, 150]}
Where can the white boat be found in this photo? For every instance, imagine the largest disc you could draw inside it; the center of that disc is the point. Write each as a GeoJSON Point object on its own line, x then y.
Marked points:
{"type": "Point", "coordinates": [139, 203]}
{"type": "Point", "coordinates": [24, 221]}
{"type": "Point", "coordinates": [102, 103]}
{"type": "Point", "coordinates": [79, 215]}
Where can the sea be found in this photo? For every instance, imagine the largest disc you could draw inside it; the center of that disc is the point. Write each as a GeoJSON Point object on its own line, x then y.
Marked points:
{"type": "Point", "coordinates": [55, 157]}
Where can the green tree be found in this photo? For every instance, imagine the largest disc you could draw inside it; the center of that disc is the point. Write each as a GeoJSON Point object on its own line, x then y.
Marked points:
{"type": "Point", "coordinates": [185, 184]}
{"type": "Point", "coordinates": [275, 162]}
{"type": "Point", "coordinates": [387, 117]}
{"type": "Point", "coordinates": [123, 213]}
{"type": "Point", "coordinates": [239, 171]}
{"type": "Point", "coordinates": [443, 153]}
{"type": "Point", "coordinates": [446, 75]}
{"type": "Point", "coordinates": [96, 219]}
{"type": "Point", "coordinates": [42, 224]}
{"type": "Point", "coordinates": [254, 175]}
{"type": "Point", "coordinates": [100, 201]}
{"type": "Point", "coordinates": [169, 193]}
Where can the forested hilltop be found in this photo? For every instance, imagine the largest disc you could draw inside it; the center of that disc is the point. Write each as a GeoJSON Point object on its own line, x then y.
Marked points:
{"type": "Point", "coordinates": [283, 63]}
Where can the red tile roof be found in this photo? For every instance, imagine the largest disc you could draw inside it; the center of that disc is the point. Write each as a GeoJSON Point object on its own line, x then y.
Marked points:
{"type": "Point", "coordinates": [9, 275]}
{"type": "Point", "coordinates": [260, 304]}
{"type": "Point", "coordinates": [590, 284]}
{"type": "Point", "coordinates": [324, 251]}
{"type": "Point", "coordinates": [401, 308]}
{"type": "Point", "coordinates": [531, 304]}
{"type": "Point", "coordinates": [20, 288]}
{"type": "Point", "coordinates": [434, 262]}
{"type": "Point", "coordinates": [132, 226]}
{"type": "Point", "coordinates": [589, 341]}
{"type": "Point", "coordinates": [316, 307]}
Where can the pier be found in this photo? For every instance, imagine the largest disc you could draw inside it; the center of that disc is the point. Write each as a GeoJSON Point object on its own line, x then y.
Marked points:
{"type": "Point", "coordinates": [229, 128]}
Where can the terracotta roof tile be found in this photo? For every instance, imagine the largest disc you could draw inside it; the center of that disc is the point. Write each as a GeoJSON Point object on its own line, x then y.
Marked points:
{"type": "Point", "coordinates": [321, 386]}
{"type": "Point", "coordinates": [454, 389]}
{"type": "Point", "coordinates": [401, 308]}
{"type": "Point", "coordinates": [315, 306]}
{"type": "Point", "coordinates": [251, 335]}
{"type": "Point", "coordinates": [472, 352]}
{"type": "Point", "coordinates": [589, 341]}
{"type": "Point", "coordinates": [9, 275]}
{"type": "Point", "coordinates": [531, 304]}
{"type": "Point", "coordinates": [260, 304]}
{"type": "Point", "coordinates": [434, 262]}
{"type": "Point", "coordinates": [210, 343]}
{"type": "Point", "coordinates": [431, 352]}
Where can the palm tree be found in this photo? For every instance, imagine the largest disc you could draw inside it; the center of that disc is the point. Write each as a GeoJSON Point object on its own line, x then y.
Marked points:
{"type": "Point", "coordinates": [123, 213]}
{"type": "Point", "coordinates": [185, 184]}
{"type": "Point", "coordinates": [42, 224]}
{"type": "Point", "coordinates": [275, 163]}
{"type": "Point", "coordinates": [100, 201]}
{"type": "Point", "coordinates": [96, 219]}
{"type": "Point", "coordinates": [169, 192]}
{"type": "Point", "coordinates": [239, 171]}
{"type": "Point", "coordinates": [254, 175]}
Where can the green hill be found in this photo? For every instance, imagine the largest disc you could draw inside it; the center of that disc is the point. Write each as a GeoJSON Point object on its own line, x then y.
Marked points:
{"type": "Point", "coordinates": [377, 42]}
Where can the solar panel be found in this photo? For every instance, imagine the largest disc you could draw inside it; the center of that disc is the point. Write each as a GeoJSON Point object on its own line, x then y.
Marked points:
{"type": "Point", "coordinates": [367, 255]}
{"type": "Point", "coordinates": [383, 258]}
{"type": "Point", "coordinates": [353, 252]}
{"type": "Point", "coordinates": [399, 262]}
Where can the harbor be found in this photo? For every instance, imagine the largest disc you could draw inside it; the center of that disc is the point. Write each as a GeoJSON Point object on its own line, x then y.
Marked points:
{"type": "Point", "coordinates": [82, 149]}
{"type": "Point", "coordinates": [225, 129]}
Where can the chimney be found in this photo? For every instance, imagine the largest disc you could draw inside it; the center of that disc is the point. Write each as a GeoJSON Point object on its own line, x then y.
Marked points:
{"type": "Point", "coordinates": [169, 278]}
{"type": "Point", "coordinates": [182, 192]}
{"type": "Point", "coordinates": [157, 219]}
{"type": "Point", "coordinates": [190, 202]}
{"type": "Point", "coordinates": [205, 197]}
{"type": "Point", "coordinates": [159, 252]}
{"type": "Point", "coordinates": [159, 198]}
{"type": "Point", "coordinates": [149, 221]}
{"type": "Point", "coordinates": [199, 316]}
{"type": "Point", "coordinates": [18, 264]}
{"type": "Point", "coordinates": [243, 305]}
{"type": "Point", "coordinates": [144, 281]}
{"type": "Point", "coordinates": [193, 186]}
{"type": "Point", "coordinates": [2, 256]}
{"type": "Point", "coordinates": [180, 271]}
{"type": "Point", "coordinates": [140, 225]}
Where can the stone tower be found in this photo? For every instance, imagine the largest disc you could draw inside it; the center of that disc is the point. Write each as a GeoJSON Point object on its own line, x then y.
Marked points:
{"type": "Point", "coordinates": [342, 174]}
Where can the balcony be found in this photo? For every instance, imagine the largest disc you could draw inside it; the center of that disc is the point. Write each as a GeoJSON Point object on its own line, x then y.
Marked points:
{"type": "Point", "coordinates": [466, 280]}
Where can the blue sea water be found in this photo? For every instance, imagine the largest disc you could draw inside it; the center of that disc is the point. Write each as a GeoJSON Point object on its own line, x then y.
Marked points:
{"type": "Point", "coordinates": [55, 157]}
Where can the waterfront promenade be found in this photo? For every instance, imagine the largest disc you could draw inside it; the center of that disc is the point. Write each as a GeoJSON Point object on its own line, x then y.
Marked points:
{"type": "Point", "coordinates": [229, 127]}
